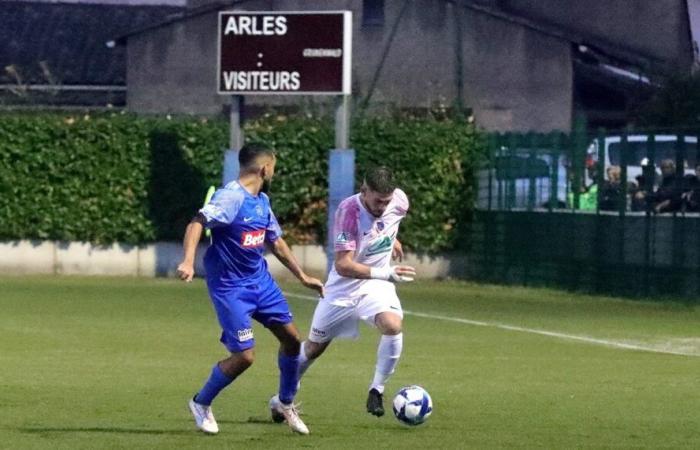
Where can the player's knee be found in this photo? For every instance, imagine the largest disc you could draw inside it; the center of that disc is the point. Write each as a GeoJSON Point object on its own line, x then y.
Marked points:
{"type": "Point", "coordinates": [246, 358]}
{"type": "Point", "coordinates": [291, 345]}
{"type": "Point", "coordinates": [389, 324]}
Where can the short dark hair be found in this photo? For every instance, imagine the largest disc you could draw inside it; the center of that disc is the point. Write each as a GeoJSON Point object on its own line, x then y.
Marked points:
{"type": "Point", "coordinates": [380, 180]}
{"type": "Point", "coordinates": [249, 153]}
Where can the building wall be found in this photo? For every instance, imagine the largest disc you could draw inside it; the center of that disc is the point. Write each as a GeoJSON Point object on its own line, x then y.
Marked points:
{"type": "Point", "coordinates": [172, 69]}
{"type": "Point", "coordinates": [656, 28]}
{"type": "Point", "coordinates": [515, 78]}
{"type": "Point", "coordinates": [426, 54]}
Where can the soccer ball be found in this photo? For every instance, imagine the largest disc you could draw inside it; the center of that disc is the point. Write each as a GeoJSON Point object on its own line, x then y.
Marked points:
{"type": "Point", "coordinates": [412, 405]}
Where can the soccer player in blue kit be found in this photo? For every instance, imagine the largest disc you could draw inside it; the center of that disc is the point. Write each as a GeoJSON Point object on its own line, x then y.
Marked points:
{"type": "Point", "coordinates": [240, 285]}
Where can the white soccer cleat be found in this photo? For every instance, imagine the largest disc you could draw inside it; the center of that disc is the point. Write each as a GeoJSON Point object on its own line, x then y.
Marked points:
{"type": "Point", "coordinates": [289, 414]}
{"type": "Point", "coordinates": [203, 417]}
{"type": "Point", "coordinates": [276, 409]}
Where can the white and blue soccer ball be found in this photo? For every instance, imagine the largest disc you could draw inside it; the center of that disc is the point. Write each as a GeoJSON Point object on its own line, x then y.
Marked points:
{"type": "Point", "coordinates": [412, 405]}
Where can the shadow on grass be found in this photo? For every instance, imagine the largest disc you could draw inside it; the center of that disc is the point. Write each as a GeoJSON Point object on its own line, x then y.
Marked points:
{"type": "Point", "coordinates": [44, 430]}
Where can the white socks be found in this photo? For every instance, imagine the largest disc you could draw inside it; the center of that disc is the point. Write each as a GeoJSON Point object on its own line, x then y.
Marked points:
{"type": "Point", "coordinates": [388, 354]}
{"type": "Point", "coordinates": [304, 362]}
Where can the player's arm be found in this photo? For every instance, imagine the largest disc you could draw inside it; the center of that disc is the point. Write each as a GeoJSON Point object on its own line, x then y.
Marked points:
{"type": "Point", "coordinates": [346, 266]}
{"type": "Point", "coordinates": [397, 251]}
{"type": "Point", "coordinates": [185, 270]}
{"type": "Point", "coordinates": [283, 253]}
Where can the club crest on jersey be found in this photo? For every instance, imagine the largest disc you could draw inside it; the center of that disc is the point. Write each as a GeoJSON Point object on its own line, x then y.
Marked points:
{"type": "Point", "coordinates": [253, 238]}
{"type": "Point", "coordinates": [380, 225]}
{"type": "Point", "coordinates": [259, 210]}
{"type": "Point", "coordinates": [342, 238]}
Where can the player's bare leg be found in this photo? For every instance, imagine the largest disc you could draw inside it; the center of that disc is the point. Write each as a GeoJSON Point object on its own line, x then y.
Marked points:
{"type": "Point", "coordinates": [309, 352]}
{"type": "Point", "coordinates": [388, 354]}
{"type": "Point", "coordinates": [282, 405]}
{"type": "Point", "coordinates": [237, 363]}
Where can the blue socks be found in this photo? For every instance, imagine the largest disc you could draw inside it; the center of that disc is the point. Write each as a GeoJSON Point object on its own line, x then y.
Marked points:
{"type": "Point", "coordinates": [289, 377]}
{"type": "Point", "coordinates": [216, 382]}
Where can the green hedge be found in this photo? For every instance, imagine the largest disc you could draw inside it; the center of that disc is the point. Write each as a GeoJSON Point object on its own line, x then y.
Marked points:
{"type": "Point", "coordinates": [121, 178]}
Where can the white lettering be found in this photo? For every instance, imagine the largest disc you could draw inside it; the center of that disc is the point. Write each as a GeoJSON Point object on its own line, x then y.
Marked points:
{"type": "Point", "coordinates": [323, 52]}
{"type": "Point", "coordinates": [256, 26]}
{"type": "Point", "coordinates": [284, 81]}
{"type": "Point", "coordinates": [268, 26]}
{"type": "Point", "coordinates": [264, 81]}
{"type": "Point", "coordinates": [244, 23]}
{"type": "Point", "coordinates": [261, 81]}
{"type": "Point", "coordinates": [296, 82]}
{"type": "Point", "coordinates": [281, 23]}
{"type": "Point", "coordinates": [231, 26]}
{"type": "Point", "coordinates": [229, 78]}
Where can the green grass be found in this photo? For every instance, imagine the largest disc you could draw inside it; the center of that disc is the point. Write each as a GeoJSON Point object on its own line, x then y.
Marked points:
{"type": "Point", "coordinates": [110, 363]}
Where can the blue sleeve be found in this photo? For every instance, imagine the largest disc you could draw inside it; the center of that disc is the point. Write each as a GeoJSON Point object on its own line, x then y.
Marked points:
{"type": "Point", "coordinates": [223, 207]}
{"type": "Point", "coordinates": [273, 231]}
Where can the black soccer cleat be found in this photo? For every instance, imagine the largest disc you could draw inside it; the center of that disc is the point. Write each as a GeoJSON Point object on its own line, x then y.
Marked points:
{"type": "Point", "coordinates": [375, 403]}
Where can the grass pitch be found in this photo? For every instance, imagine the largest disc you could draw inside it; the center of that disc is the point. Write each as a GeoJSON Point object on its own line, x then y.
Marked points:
{"type": "Point", "coordinates": [110, 363]}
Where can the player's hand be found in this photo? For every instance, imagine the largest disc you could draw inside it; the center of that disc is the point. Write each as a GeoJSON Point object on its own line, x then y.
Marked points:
{"type": "Point", "coordinates": [395, 274]}
{"type": "Point", "coordinates": [403, 273]}
{"type": "Point", "coordinates": [397, 251]}
{"type": "Point", "coordinates": [185, 271]}
{"type": "Point", "coordinates": [313, 283]}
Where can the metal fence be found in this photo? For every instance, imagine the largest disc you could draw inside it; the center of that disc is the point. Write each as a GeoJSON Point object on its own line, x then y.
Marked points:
{"type": "Point", "coordinates": [614, 213]}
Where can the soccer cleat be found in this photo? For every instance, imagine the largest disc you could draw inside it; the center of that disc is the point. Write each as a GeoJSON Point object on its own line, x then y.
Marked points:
{"type": "Point", "coordinates": [203, 417]}
{"type": "Point", "coordinates": [289, 413]}
{"type": "Point", "coordinates": [276, 409]}
{"type": "Point", "coordinates": [375, 403]}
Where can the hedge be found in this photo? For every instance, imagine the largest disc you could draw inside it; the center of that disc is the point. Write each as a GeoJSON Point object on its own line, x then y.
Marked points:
{"type": "Point", "coordinates": [123, 178]}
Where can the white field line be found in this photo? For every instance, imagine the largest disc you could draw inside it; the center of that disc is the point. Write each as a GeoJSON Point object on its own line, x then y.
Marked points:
{"type": "Point", "coordinates": [501, 326]}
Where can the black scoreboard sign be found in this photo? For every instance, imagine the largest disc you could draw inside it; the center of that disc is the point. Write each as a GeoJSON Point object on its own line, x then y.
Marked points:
{"type": "Point", "coordinates": [285, 52]}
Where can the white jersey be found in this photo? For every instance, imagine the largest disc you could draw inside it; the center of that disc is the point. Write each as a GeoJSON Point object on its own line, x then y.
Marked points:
{"type": "Point", "coordinates": [372, 238]}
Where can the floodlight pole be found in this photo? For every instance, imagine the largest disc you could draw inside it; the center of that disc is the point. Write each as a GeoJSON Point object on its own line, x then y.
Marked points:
{"type": "Point", "coordinates": [236, 139]}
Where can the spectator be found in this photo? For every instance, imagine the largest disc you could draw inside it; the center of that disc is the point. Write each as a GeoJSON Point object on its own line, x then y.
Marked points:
{"type": "Point", "coordinates": [668, 196]}
{"type": "Point", "coordinates": [691, 194]}
{"type": "Point", "coordinates": [588, 194]}
{"type": "Point", "coordinates": [611, 190]}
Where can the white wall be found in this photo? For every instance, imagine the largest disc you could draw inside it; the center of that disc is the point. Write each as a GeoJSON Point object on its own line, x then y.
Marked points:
{"type": "Point", "coordinates": [162, 258]}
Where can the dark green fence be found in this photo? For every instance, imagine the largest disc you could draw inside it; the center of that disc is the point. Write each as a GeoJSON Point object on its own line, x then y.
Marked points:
{"type": "Point", "coordinates": [614, 213]}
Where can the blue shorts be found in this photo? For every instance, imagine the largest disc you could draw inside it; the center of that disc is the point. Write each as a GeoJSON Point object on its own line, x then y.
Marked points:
{"type": "Point", "coordinates": [263, 301]}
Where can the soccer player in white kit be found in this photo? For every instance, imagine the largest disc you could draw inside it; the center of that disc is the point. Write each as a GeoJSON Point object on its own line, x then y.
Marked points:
{"type": "Point", "coordinates": [360, 285]}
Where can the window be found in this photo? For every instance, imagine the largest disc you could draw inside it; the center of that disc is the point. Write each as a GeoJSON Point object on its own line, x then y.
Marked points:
{"type": "Point", "coordinates": [373, 12]}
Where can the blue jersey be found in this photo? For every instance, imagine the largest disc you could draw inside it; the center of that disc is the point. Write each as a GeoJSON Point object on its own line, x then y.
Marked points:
{"type": "Point", "coordinates": [240, 226]}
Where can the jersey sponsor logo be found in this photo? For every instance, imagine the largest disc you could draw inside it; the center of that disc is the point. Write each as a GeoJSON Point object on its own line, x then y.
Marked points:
{"type": "Point", "coordinates": [342, 238]}
{"type": "Point", "coordinates": [381, 245]}
{"type": "Point", "coordinates": [253, 238]}
{"type": "Point", "coordinates": [245, 334]}
{"type": "Point", "coordinates": [317, 332]}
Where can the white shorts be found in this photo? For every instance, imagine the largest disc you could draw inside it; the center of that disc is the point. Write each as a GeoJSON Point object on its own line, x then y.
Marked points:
{"type": "Point", "coordinates": [341, 321]}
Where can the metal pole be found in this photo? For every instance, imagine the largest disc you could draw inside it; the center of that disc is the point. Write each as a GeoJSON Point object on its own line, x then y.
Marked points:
{"type": "Point", "coordinates": [236, 139]}
{"type": "Point", "coordinates": [341, 171]}
{"type": "Point", "coordinates": [342, 123]}
{"type": "Point", "coordinates": [236, 120]}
